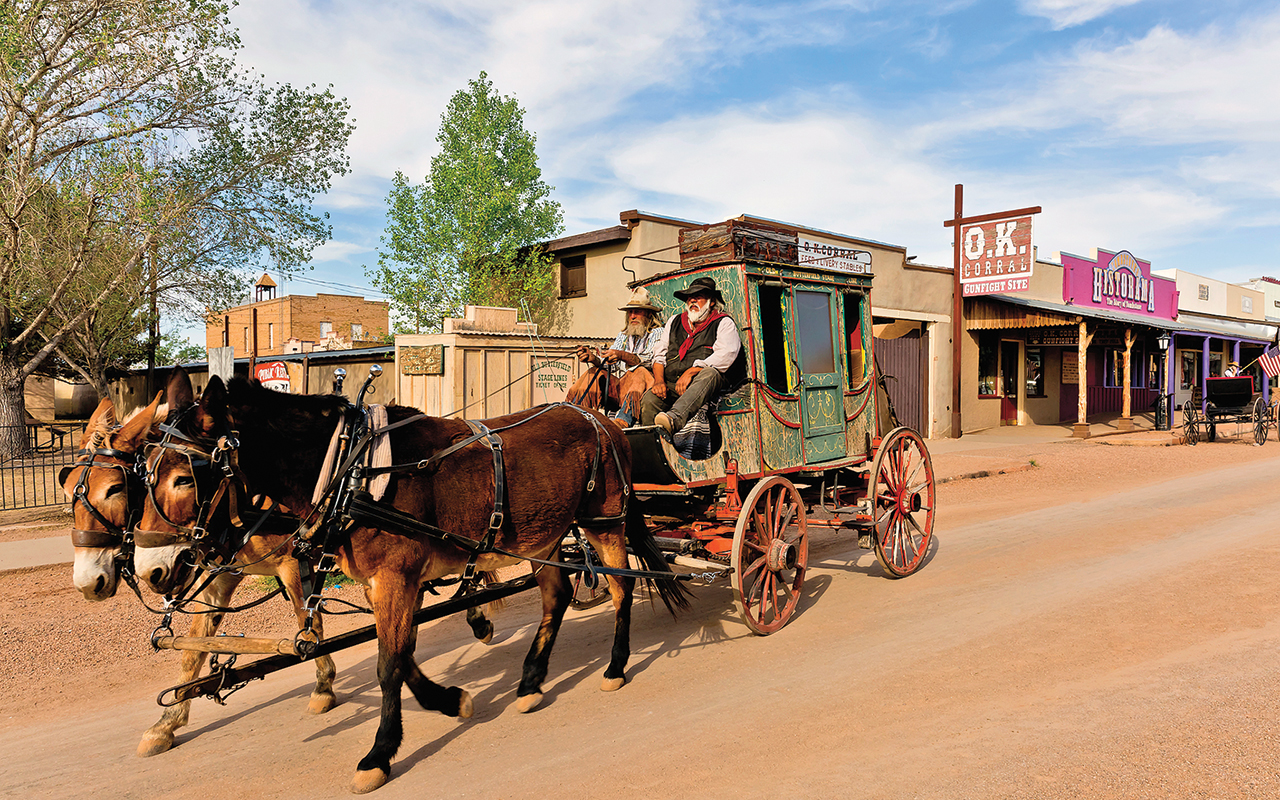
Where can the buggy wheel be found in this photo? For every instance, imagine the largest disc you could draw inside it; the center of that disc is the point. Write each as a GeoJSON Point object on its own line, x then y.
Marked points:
{"type": "Point", "coordinates": [1260, 419]}
{"type": "Point", "coordinates": [584, 595]}
{"type": "Point", "coordinates": [902, 502]}
{"type": "Point", "coordinates": [1190, 431]}
{"type": "Point", "coordinates": [770, 554]}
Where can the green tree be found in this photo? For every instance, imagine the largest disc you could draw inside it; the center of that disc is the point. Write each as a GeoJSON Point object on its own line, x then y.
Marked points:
{"type": "Point", "coordinates": [140, 161]}
{"type": "Point", "coordinates": [470, 232]}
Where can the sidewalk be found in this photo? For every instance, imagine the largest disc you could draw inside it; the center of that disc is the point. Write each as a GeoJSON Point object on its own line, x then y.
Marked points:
{"type": "Point", "coordinates": [993, 451]}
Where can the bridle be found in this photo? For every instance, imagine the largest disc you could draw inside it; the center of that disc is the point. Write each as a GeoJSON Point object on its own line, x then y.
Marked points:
{"type": "Point", "coordinates": [202, 457]}
{"type": "Point", "coordinates": [111, 534]}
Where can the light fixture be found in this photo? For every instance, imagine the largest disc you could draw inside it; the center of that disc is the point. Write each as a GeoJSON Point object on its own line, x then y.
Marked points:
{"type": "Point", "coordinates": [1163, 340]}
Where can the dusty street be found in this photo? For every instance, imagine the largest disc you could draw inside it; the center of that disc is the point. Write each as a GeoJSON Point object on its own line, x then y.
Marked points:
{"type": "Point", "coordinates": [1104, 625]}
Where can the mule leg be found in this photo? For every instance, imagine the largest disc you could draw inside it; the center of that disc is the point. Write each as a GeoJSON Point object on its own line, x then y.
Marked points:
{"type": "Point", "coordinates": [394, 602]}
{"type": "Point", "coordinates": [556, 591]}
{"type": "Point", "coordinates": [612, 550]}
{"type": "Point", "coordinates": [322, 696]}
{"type": "Point", "coordinates": [480, 624]}
{"type": "Point", "coordinates": [159, 737]}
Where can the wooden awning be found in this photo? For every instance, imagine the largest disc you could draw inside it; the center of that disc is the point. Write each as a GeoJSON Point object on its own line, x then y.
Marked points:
{"type": "Point", "coordinates": [984, 315]}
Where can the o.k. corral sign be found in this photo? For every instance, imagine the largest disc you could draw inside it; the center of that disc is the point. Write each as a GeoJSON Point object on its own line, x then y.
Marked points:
{"type": "Point", "coordinates": [996, 256]}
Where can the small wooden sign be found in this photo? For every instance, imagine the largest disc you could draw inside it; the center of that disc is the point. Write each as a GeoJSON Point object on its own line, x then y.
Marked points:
{"type": "Point", "coordinates": [1070, 367]}
{"type": "Point", "coordinates": [426, 360]}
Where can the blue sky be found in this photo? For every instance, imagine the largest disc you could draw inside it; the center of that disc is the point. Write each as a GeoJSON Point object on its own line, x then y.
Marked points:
{"type": "Point", "coordinates": [1140, 125]}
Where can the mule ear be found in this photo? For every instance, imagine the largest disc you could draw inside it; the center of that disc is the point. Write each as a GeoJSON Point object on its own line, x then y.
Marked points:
{"type": "Point", "coordinates": [138, 426]}
{"type": "Point", "coordinates": [211, 411]}
{"type": "Point", "coordinates": [178, 391]}
{"type": "Point", "coordinates": [102, 418]}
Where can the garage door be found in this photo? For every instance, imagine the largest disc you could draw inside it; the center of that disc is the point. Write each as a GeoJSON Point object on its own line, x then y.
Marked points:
{"type": "Point", "coordinates": [901, 363]}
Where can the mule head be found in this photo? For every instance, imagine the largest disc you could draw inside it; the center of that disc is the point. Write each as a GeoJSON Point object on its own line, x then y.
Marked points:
{"type": "Point", "coordinates": [104, 492]}
{"type": "Point", "coordinates": [179, 479]}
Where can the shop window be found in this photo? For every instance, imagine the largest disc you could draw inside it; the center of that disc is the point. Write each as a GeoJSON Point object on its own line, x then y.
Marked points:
{"type": "Point", "coordinates": [1035, 372]}
{"type": "Point", "coordinates": [856, 358]}
{"type": "Point", "coordinates": [1190, 369]}
{"type": "Point", "coordinates": [779, 366]}
{"type": "Point", "coordinates": [988, 365]}
{"type": "Point", "coordinates": [1113, 368]}
{"type": "Point", "coordinates": [573, 276]}
{"type": "Point", "coordinates": [1215, 365]}
{"type": "Point", "coordinates": [1153, 370]}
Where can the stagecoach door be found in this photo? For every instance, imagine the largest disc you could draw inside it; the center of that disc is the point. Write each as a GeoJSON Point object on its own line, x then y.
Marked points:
{"type": "Point", "coordinates": [821, 391]}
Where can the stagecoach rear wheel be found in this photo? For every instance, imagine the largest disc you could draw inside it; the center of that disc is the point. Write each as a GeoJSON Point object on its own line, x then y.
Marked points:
{"type": "Point", "coordinates": [902, 502]}
{"type": "Point", "coordinates": [770, 554]}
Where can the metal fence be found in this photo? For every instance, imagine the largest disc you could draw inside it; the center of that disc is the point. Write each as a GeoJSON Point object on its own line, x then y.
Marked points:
{"type": "Point", "coordinates": [30, 480]}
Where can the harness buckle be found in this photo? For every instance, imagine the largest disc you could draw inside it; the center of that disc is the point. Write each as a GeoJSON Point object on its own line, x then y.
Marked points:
{"type": "Point", "coordinates": [495, 521]}
{"type": "Point", "coordinates": [328, 562]}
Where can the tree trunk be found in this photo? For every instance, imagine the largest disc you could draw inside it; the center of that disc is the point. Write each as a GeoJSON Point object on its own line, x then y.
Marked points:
{"type": "Point", "coordinates": [13, 414]}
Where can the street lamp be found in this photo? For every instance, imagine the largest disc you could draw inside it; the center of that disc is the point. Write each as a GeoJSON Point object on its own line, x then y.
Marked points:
{"type": "Point", "coordinates": [1163, 411]}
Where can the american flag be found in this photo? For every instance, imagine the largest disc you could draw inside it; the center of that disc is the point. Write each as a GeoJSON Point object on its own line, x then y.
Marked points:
{"type": "Point", "coordinates": [1270, 361]}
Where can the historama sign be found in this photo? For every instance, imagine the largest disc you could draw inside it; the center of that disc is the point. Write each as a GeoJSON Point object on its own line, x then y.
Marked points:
{"type": "Point", "coordinates": [1118, 282]}
{"type": "Point", "coordinates": [996, 256]}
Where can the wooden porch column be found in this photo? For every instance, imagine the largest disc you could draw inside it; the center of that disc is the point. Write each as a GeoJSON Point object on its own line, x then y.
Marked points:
{"type": "Point", "coordinates": [1081, 429]}
{"type": "Point", "coordinates": [1125, 423]}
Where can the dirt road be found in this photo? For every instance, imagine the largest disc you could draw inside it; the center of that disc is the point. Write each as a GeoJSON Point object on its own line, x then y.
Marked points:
{"type": "Point", "coordinates": [1106, 625]}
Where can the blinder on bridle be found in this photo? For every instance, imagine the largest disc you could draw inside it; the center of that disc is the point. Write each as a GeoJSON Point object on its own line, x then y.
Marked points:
{"type": "Point", "coordinates": [201, 458]}
{"type": "Point", "coordinates": [111, 534]}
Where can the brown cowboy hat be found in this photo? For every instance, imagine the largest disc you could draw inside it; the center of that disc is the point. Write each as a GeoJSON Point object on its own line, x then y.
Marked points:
{"type": "Point", "coordinates": [640, 301]}
{"type": "Point", "coordinates": [703, 285]}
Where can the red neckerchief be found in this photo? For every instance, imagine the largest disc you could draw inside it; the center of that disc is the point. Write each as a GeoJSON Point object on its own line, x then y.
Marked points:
{"type": "Point", "coordinates": [691, 332]}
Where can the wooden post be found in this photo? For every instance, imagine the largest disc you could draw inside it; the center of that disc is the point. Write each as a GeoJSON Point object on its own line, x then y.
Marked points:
{"type": "Point", "coordinates": [957, 320]}
{"type": "Point", "coordinates": [1125, 422]}
{"type": "Point", "coordinates": [1081, 429]}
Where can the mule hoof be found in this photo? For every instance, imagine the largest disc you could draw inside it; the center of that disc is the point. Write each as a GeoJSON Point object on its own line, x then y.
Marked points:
{"type": "Point", "coordinates": [488, 637]}
{"type": "Point", "coordinates": [465, 707]}
{"type": "Point", "coordinates": [153, 744]}
{"type": "Point", "coordinates": [528, 702]}
{"type": "Point", "coordinates": [367, 780]}
{"type": "Point", "coordinates": [320, 703]}
{"type": "Point", "coordinates": [612, 684]}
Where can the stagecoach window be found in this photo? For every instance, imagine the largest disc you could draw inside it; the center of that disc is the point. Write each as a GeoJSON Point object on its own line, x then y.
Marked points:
{"type": "Point", "coordinates": [988, 364]}
{"type": "Point", "coordinates": [856, 357]}
{"type": "Point", "coordinates": [778, 369]}
{"type": "Point", "coordinates": [813, 332]}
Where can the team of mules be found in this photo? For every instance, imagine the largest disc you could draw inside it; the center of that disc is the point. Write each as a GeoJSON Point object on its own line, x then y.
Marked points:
{"type": "Point", "coordinates": [482, 501]}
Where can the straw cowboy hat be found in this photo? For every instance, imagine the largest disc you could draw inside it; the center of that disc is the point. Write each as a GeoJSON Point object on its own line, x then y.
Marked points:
{"type": "Point", "coordinates": [640, 301]}
{"type": "Point", "coordinates": [703, 285]}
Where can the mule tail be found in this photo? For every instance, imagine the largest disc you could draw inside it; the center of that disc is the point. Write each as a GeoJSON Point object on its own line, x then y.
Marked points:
{"type": "Point", "coordinates": [642, 545]}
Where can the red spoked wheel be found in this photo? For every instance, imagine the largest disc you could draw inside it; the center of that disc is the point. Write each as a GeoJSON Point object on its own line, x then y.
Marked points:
{"type": "Point", "coordinates": [770, 554]}
{"type": "Point", "coordinates": [902, 502]}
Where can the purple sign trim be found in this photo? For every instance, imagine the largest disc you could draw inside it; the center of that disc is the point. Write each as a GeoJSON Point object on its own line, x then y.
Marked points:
{"type": "Point", "coordinates": [1118, 282]}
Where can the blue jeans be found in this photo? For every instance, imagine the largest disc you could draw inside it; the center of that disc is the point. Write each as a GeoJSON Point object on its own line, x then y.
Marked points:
{"type": "Point", "coordinates": [704, 386]}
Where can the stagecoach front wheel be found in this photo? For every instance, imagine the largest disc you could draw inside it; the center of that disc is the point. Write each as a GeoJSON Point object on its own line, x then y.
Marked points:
{"type": "Point", "coordinates": [770, 554]}
{"type": "Point", "coordinates": [902, 502]}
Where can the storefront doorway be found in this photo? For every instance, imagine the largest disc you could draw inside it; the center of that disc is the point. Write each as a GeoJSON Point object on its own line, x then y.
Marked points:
{"type": "Point", "coordinates": [1010, 378]}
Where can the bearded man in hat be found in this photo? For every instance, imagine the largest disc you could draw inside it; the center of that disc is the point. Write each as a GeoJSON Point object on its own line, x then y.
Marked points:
{"type": "Point", "coordinates": [699, 356]}
{"type": "Point", "coordinates": [620, 374]}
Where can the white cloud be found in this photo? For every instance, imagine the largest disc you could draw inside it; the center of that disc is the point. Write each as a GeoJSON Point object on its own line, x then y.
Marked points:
{"type": "Point", "coordinates": [335, 250]}
{"type": "Point", "coordinates": [1068, 13]}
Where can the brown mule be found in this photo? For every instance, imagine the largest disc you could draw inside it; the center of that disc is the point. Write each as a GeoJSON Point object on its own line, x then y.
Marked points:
{"type": "Point", "coordinates": [104, 490]}
{"type": "Point", "coordinates": [561, 464]}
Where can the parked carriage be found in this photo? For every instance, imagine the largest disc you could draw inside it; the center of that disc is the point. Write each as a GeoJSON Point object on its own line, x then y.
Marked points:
{"type": "Point", "coordinates": [1227, 399]}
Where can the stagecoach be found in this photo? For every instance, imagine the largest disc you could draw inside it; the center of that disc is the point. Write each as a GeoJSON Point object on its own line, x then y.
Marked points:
{"type": "Point", "coordinates": [807, 441]}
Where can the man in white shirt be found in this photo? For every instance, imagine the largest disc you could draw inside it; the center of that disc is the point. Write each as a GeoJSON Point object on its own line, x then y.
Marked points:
{"type": "Point", "coordinates": [699, 355]}
{"type": "Point", "coordinates": [620, 374]}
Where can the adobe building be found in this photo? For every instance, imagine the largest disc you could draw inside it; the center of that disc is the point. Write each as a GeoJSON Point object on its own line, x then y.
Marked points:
{"type": "Point", "coordinates": [298, 323]}
{"type": "Point", "coordinates": [911, 303]}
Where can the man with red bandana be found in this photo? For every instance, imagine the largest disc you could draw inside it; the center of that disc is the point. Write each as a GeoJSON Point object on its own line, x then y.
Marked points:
{"type": "Point", "coordinates": [698, 356]}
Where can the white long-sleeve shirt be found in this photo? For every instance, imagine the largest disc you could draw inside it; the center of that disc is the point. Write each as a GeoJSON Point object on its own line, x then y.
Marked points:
{"type": "Point", "coordinates": [727, 345]}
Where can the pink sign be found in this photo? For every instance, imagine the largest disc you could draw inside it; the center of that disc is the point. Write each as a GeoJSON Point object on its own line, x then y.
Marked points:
{"type": "Point", "coordinates": [996, 256]}
{"type": "Point", "coordinates": [1118, 282]}
{"type": "Point", "coordinates": [274, 375]}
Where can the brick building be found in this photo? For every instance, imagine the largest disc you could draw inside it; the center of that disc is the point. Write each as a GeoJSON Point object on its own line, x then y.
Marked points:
{"type": "Point", "coordinates": [299, 323]}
